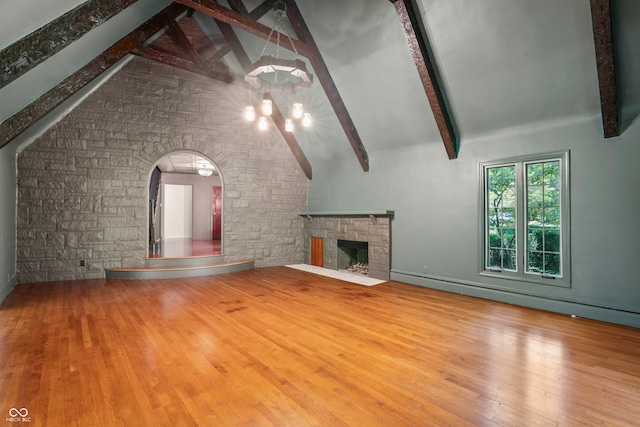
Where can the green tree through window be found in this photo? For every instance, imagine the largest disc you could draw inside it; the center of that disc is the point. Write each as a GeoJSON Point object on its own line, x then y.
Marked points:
{"type": "Point", "coordinates": [525, 217]}
{"type": "Point", "coordinates": [543, 218]}
{"type": "Point", "coordinates": [502, 217]}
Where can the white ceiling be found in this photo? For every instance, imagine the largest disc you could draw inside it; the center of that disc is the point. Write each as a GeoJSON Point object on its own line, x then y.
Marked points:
{"type": "Point", "coordinates": [184, 163]}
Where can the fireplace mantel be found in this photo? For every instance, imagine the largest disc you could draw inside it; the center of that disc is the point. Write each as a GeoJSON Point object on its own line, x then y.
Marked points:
{"type": "Point", "coordinates": [372, 226]}
{"type": "Point", "coordinates": [348, 213]}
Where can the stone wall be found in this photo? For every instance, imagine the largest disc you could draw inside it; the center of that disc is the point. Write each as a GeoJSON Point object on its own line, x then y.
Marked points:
{"type": "Point", "coordinates": [83, 185]}
{"type": "Point", "coordinates": [376, 231]}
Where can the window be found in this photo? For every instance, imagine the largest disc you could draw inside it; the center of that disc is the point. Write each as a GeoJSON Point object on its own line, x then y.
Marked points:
{"type": "Point", "coordinates": [525, 219]}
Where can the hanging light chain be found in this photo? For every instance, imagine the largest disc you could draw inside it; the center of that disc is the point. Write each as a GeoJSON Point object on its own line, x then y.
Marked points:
{"type": "Point", "coordinates": [264, 49]}
{"type": "Point", "coordinates": [271, 64]}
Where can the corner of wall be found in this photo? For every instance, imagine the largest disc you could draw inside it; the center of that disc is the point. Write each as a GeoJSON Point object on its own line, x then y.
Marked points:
{"type": "Point", "coordinates": [6, 289]}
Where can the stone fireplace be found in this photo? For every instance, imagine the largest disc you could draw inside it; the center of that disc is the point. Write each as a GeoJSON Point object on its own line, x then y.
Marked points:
{"type": "Point", "coordinates": [368, 229]}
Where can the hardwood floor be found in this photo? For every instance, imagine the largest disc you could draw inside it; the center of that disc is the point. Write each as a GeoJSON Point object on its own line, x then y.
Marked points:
{"type": "Point", "coordinates": [173, 248]}
{"type": "Point", "coordinates": [277, 346]}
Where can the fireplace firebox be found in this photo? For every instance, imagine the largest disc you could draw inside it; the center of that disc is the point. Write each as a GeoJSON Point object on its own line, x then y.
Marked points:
{"type": "Point", "coordinates": [353, 256]}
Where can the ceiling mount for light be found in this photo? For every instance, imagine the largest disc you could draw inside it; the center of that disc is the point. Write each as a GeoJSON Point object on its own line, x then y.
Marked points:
{"type": "Point", "coordinates": [273, 74]}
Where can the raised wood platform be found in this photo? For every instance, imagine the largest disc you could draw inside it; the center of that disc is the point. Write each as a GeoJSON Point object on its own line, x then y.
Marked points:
{"type": "Point", "coordinates": [177, 271]}
{"type": "Point", "coordinates": [179, 266]}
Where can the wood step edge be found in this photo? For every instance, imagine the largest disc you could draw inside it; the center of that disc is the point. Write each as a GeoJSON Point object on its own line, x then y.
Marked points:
{"type": "Point", "coordinates": [180, 267]}
{"type": "Point", "coordinates": [183, 257]}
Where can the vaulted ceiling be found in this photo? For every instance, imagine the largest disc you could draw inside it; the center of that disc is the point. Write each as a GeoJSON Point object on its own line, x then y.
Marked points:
{"type": "Point", "coordinates": [388, 73]}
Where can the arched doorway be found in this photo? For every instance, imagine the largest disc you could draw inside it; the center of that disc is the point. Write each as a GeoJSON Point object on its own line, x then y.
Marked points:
{"type": "Point", "coordinates": [185, 206]}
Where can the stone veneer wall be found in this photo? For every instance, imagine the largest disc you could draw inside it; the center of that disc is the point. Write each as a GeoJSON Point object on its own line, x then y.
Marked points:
{"type": "Point", "coordinates": [83, 185]}
{"type": "Point", "coordinates": [376, 231]}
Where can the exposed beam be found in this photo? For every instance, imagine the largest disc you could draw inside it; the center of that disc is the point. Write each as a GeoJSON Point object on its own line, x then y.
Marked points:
{"type": "Point", "coordinates": [43, 43]}
{"type": "Point", "coordinates": [276, 116]}
{"type": "Point", "coordinates": [243, 22]}
{"type": "Point", "coordinates": [238, 6]}
{"type": "Point", "coordinates": [427, 69]}
{"type": "Point", "coordinates": [257, 13]}
{"type": "Point", "coordinates": [183, 40]}
{"type": "Point", "coordinates": [232, 39]}
{"type": "Point", "coordinates": [329, 86]}
{"type": "Point", "coordinates": [290, 139]}
{"type": "Point", "coordinates": [184, 64]}
{"type": "Point", "coordinates": [191, 38]}
{"type": "Point", "coordinates": [605, 61]}
{"type": "Point", "coordinates": [309, 49]}
{"type": "Point", "coordinates": [213, 55]}
{"type": "Point", "coordinates": [16, 124]}
{"type": "Point", "coordinates": [261, 9]}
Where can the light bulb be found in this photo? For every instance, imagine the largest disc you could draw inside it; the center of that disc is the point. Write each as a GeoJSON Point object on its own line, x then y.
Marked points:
{"type": "Point", "coordinates": [297, 110]}
{"type": "Point", "coordinates": [250, 113]}
{"type": "Point", "coordinates": [288, 125]}
{"type": "Point", "coordinates": [262, 123]}
{"type": "Point", "coordinates": [306, 120]}
{"type": "Point", "coordinates": [267, 107]}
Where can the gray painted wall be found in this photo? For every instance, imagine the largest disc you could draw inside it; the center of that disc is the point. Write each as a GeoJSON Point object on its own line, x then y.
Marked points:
{"type": "Point", "coordinates": [83, 185]}
{"type": "Point", "coordinates": [7, 220]}
{"type": "Point", "coordinates": [436, 208]}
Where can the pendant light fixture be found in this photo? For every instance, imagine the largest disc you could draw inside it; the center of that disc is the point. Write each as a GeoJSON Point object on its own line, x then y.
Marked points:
{"type": "Point", "coordinates": [270, 73]}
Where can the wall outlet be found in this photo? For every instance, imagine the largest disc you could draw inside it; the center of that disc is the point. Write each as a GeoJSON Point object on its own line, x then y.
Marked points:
{"type": "Point", "coordinates": [82, 263]}
{"type": "Point", "coordinates": [425, 269]}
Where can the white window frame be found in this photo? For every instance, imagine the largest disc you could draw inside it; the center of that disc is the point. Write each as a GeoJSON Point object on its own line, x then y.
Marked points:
{"type": "Point", "coordinates": [564, 278]}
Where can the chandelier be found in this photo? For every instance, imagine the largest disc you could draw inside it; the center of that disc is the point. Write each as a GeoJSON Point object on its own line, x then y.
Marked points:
{"type": "Point", "coordinates": [270, 73]}
{"type": "Point", "coordinates": [203, 167]}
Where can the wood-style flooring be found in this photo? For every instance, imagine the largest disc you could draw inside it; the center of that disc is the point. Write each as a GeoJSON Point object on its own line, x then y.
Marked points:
{"type": "Point", "coordinates": [277, 346]}
{"type": "Point", "coordinates": [173, 248]}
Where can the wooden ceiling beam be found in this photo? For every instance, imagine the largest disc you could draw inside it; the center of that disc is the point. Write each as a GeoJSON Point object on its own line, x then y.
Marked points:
{"type": "Point", "coordinates": [327, 83]}
{"type": "Point", "coordinates": [206, 56]}
{"type": "Point", "coordinates": [260, 10]}
{"type": "Point", "coordinates": [312, 53]}
{"type": "Point", "coordinates": [290, 139]}
{"type": "Point", "coordinates": [238, 6]}
{"type": "Point", "coordinates": [182, 63]}
{"type": "Point", "coordinates": [232, 38]}
{"type": "Point", "coordinates": [276, 116]}
{"type": "Point", "coordinates": [257, 13]}
{"type": "Point", "coordinates": [183, 41]}
{"type": "Point", "coordinates": [16, 124]}
{"type": "Point", "coordinates": [212, 55]}
{"type": "Point", "coordinates": [35, 48]}
{"type": "Point", "coordinates": [427, 69]}
{"type": "Point", "coordinates": [243, 22]}
{"type": "Point", "coordinates": [605, 62]}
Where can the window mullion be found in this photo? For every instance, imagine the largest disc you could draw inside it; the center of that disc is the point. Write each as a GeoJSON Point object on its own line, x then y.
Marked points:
{"type": "Point", "coordinates": [520, 217]}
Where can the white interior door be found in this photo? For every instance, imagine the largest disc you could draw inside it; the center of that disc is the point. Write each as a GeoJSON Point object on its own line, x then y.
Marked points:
{"type": "Point", "coordinates": [178, 211]}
